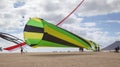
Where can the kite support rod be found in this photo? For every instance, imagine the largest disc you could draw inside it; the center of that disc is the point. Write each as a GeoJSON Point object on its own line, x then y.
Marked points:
{"type": "Point", "coordinates": [70, 13]}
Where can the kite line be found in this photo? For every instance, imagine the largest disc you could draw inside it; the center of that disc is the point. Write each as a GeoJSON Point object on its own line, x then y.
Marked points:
{"type": "Point", "coordinates": [70, 13]}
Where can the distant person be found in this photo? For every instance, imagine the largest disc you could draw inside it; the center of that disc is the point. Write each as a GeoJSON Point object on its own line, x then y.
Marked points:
{"type": "Point", "coordinates": [98, 49]}
{"type": "Point", "coordinates": [82, 49]}
{"type": "Point", "coordinates": [117, 49]}
{"type": "Point", "coordinates": [21, 50]}
{"type": "Point", "coordinates": [1, 49]}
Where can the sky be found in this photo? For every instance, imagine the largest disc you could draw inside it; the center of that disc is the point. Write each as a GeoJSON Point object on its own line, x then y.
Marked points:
{"type": "Point", "coordinates": [96, 20]}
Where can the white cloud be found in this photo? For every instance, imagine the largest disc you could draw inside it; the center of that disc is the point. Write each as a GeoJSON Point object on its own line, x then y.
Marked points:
{"type": "Point", "coordinates": [102, 38]}
{"type": "Point", "coordinates": [90, 24]}
{"type": "Point", "coordinates": [113, 21]}
{"type": "Point", "coordinates": [118, 35]}
{"type": "Point", "coordinates": [98, 7]}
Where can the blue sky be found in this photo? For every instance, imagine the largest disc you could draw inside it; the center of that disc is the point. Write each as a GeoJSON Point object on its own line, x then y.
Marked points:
{"type": "Point", "coordinates": [18, 4]}
{"type": "Point", "coordinates": [97, 20]}
{"type": "Point", "coordinates": [108, 22]}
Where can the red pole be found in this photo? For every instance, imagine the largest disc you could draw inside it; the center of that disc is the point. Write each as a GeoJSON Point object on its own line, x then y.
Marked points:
{"type": "Point", "coordinates": [70, 13]}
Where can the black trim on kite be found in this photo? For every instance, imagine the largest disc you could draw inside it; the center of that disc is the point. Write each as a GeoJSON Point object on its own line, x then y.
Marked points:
{"type": "Point", "coordinates": [10, 38]}
{"type": "Point", "coordinates": [32, 45]}
{"type": "Point", "coordinates": [29, 28]}
{"type": "Point", "coordinates": [54, 39]}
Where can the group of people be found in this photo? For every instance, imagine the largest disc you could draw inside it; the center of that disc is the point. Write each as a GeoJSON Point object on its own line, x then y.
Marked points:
{"type": "Point", "coordinates": [97, 49]}
{"type": "Point", "coordinates": [81, 49]}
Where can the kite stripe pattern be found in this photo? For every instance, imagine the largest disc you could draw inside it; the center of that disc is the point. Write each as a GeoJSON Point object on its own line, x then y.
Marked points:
{"type": "Point", "coordinates": [33, 29]}
{"type": "Point", "coordinates": [51, 38]}
{"type": "Point", "coordinates": [40, 33]}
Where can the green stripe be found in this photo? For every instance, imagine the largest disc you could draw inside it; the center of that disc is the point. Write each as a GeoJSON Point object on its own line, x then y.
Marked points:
{"type": "Point", "coordinates": [35, 23]}
{"type": "Point", "coordinates": [32, 41]}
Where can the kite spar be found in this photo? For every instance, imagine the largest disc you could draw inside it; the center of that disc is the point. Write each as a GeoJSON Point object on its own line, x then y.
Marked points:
{"type": "Point", "coordinates": [13, 39]}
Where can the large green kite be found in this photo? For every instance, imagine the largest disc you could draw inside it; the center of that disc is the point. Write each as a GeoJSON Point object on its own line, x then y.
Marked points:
{"type": "Point", "coordinates": [40, 33]}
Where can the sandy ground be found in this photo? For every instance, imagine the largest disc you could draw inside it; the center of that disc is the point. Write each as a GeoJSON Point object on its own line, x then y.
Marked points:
{"type": "Point", "coordinates": [70, 59]}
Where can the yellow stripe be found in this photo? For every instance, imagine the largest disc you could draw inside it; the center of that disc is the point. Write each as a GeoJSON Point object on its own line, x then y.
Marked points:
{"type": "Point", "coordinates": [35, 46]}
{"type": "Point", "coordinates": [37, 19]}
{"type": "Point", "coordinates": [32, 35]}
{"type": "Point", "coordinates": [62, 36]}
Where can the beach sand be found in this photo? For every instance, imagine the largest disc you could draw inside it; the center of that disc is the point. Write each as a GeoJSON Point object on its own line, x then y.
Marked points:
{"type": "Point", "coordinates": [60, 59]}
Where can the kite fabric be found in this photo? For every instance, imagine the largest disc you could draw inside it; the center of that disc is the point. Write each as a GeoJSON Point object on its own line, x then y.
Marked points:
{"type": "Point", "coordinates": [15, 46]}
{"type": "Point", "coordinates": [19, 43]}
{"type": "Point", "coordinates": [40, 33]}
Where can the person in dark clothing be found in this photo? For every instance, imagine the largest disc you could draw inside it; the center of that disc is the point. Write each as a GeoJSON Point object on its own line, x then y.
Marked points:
{"type": "Point", "coordinates": [117, 49]}
{"type": "Point", "coordinates": [81, 49]}
{"type": "Point", "coordinates": [22, 50]}
{"type": "Point", "coordinates": [1, 49]}
{"type": "Point", "coordinates": [98, 49]}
